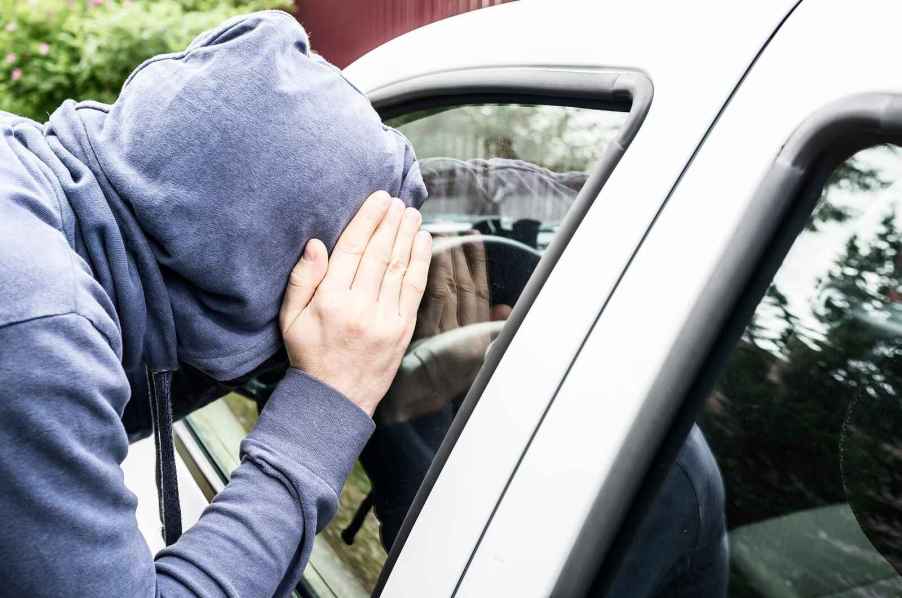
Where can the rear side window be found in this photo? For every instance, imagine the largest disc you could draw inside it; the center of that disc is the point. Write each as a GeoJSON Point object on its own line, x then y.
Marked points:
{"type": "Point", "coordinates": [790, 483]}
{"type": "Point", "coordinates": [806, 421]}
{"type": "Point", "coordinates": [501, 178]}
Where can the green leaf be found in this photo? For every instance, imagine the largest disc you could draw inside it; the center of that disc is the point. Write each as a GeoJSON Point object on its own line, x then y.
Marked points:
{"type": "Point", "coordinates": [92, 49]}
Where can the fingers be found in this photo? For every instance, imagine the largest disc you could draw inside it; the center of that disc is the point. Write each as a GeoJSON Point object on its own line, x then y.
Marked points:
{"type": "Point", "coordinates": [390, 293]}
{"type": "Point", "coordinates": [501, 312]}
{"type": "Point", "coordinates": [376, 258]}
{"type": "Point", "coordinates": [305, 277]}
{"type": "Point", "coordinates": [472, 303]}
{"type": "Point", "coordinates": [476, 259]}
{"type": "Point", "coordinates": [352, 244]}
{"type": "Point", "coordinates": [414, 282]}
{"type": "Point", "coordinates": [450, 314]}
{"type": "Point", "coordinates": [440, 296]}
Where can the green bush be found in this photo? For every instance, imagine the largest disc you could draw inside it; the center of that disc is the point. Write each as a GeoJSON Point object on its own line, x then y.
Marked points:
{"type": "Point", "coordinates": [51, 50]}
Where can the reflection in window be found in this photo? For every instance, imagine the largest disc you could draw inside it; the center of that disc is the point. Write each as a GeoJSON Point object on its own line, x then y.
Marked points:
{"type": "Point", "coordinates": [501, 177]}
{"type": "Point", "coordinates": [814, 388]}
{"type": "Point", "coordinates": [805, 422]}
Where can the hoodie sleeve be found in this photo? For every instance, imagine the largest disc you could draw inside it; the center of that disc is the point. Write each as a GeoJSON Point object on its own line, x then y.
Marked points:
{"type": "Point", "coordinates": [68, 521]}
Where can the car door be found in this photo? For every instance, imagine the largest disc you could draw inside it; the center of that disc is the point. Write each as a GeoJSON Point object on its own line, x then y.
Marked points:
{"type": "Point", "coordinates": [540, 163]}
{"type": "Point", "coordinates": [761, 307]}
{"type": "Point", "coordinates": [512, 165]}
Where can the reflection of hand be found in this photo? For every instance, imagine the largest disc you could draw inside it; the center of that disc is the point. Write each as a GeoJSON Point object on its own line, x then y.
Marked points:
{"type": "Point", "coordinates": [454, 329]}
{"type": "Point", "coordinates": [347, 319]}
{"type": "Point", "coordinates": [457, 291]}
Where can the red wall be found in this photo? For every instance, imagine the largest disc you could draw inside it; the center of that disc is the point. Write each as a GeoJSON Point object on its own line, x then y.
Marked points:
{"type": "Point", "coordinates": [343, 30]}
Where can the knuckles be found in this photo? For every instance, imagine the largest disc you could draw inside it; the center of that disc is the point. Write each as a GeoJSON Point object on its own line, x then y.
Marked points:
{"type": "Point", "coordinates": [420, 287]}
{"type": "Point", "coordinates": [361, 321]}
{"type": "Point", "coordinates": [397, 266]}
{"type": "Point", "coordinates": [466, 288]}
{"type": "Point", "coordinates": [355, 327]}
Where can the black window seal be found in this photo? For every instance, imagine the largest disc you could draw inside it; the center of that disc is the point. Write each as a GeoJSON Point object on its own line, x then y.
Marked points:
{"type": "Point", "coordinates": [612, 89]}
{"type": "Point", "coordinates": [781, 207]}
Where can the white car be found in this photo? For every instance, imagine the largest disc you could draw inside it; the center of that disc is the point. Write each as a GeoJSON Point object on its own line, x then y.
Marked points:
{"type": "Point", "coordinates": [728, 272]}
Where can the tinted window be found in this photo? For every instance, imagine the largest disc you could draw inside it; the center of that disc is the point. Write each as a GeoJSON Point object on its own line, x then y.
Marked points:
{"type": "Point", "coordinates": [501, 177]}
{"type": "Point", "coordinates": [805, 422]}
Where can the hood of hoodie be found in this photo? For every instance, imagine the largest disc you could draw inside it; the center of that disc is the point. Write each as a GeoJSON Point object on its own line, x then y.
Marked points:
{"type": "Point", "coordinates": [196, 191]}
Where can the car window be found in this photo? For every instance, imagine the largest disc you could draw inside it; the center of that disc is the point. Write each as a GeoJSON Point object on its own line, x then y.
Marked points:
{"type": "Point", "coordinates": [501, 177]}
{"type": "Point", "coordinates": [790, 484]}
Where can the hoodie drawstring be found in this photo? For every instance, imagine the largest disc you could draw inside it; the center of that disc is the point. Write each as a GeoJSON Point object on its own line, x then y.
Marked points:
{"type": "Point", "coordinates": [159, 385]}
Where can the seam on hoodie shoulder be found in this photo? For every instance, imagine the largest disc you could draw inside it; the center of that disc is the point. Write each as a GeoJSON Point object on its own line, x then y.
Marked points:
{"type": "Point", "coordinates": [5, 325]}
{"type": "Point", "coordinates": [8, 325]}
{"type": "Point", "coordinates": [57, 195]}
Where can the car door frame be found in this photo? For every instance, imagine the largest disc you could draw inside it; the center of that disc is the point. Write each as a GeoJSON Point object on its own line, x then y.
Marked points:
{"type": "Point", "coordinates": [619, 449]}
{"type": "Point", "coordinates": [625, 90]}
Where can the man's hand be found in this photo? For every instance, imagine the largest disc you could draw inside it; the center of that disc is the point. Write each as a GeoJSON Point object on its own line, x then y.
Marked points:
{"type": "Point", "coordinates": [347, 320]}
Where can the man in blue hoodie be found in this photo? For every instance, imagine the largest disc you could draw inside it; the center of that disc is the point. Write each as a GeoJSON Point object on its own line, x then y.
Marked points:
{"type": "Point", "coordinates": [147, 244]}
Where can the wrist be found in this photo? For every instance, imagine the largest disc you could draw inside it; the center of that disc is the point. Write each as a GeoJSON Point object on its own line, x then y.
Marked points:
{"type": "Point", "coordinates": [313, 425]}
{"type": "Point", "coordinates": [349, 389]}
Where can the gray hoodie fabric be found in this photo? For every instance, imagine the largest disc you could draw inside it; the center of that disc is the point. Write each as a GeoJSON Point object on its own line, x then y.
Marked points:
{"type": "Point", "coordinates": [160, 231]}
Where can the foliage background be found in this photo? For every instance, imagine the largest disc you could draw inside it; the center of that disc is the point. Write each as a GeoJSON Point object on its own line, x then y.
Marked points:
{"type": "Point", "coordinates": [52, 50]}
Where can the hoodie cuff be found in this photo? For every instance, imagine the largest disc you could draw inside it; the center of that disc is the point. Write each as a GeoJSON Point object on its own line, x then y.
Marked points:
{"type": "Point", "coordinates": [314, 426]}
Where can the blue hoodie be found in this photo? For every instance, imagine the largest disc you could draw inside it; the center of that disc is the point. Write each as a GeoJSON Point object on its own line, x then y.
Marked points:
{"type": "Point", "coordinates": [160, 231]}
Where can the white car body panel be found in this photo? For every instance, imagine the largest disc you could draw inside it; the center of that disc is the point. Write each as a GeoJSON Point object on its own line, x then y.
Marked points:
{"type": "Point", "coordinates": [692, 82]}
{"type": "Point", "coordinates": [827, 50]}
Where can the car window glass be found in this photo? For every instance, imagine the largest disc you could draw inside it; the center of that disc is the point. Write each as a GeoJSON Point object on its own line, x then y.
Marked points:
{"type": "Point", "coordinates": [501, 177]}
{"type": "Point", "coordinates": [790, 484]}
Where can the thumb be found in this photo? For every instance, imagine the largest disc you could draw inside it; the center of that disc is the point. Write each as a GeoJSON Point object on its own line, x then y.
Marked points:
{"type": "Point", "coordinates": [303, 281]}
